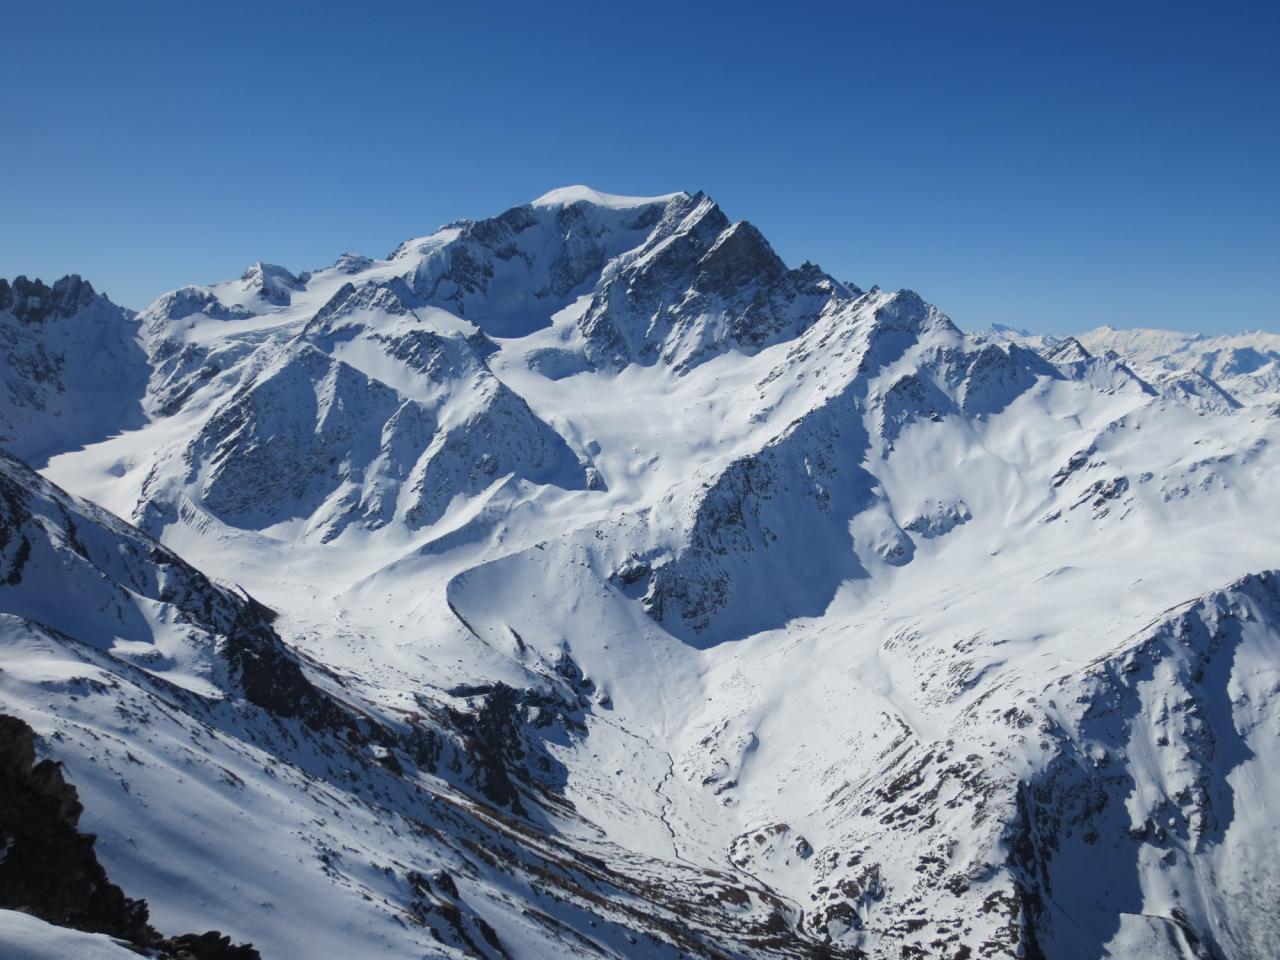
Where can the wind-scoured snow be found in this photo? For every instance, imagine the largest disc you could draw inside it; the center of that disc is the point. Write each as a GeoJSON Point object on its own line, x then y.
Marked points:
{"type": "Point", "coordinates": [587, 581]}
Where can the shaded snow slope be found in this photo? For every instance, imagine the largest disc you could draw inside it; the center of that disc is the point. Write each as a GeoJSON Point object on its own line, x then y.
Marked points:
{"type": "Point", "coordinates": [27, 938]}
{"type": "Point", "coordinates": [71, 368]}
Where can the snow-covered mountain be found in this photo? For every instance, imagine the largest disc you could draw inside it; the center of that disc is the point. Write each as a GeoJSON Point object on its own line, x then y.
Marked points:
{"type": "Point", "coordinates": [586, 582]}
{"type": "Point", "coordinates": [71, 369]}
{"type": "Point", "coordinates": [1230, 369]}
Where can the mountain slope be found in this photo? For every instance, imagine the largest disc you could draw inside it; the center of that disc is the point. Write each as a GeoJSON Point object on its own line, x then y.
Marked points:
{"type": "Point", "coordinates": [622, 591]}
{"type": "Point", "coordinates": [71, 369]}
{"type": "Point", "coordinates": [177, 707]}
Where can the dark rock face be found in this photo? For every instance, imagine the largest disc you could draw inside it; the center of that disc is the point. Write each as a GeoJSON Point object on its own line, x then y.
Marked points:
{"type": "Point", "coordinates": [31, 301]}
{"type": "Point", "coordinates": [696, 266]}
{"type": "Point", "coordinates": [503, 740]}
{"type": "Point", "coordinates": [50, 870]}
{"type": "Point", "coordinates": [493, 739]}
{"type": "Point", "coordinates": [71, 371]}
{"type": "Point", "coordinates": [209, 946]}
{"type": "Point", "coordinates": [509, 273]}
{"type": "Point", "coordinates": [271, 678]}
{"type": "Point", "coordinates": [15, 546]}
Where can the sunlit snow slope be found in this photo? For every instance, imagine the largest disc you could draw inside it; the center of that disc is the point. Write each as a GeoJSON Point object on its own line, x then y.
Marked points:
{"type": "Point", "coordinates": [586, 581]}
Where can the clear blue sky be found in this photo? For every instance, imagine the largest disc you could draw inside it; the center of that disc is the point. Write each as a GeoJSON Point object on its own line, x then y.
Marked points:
{"type": "Point", "coordinates": [1052, 166]}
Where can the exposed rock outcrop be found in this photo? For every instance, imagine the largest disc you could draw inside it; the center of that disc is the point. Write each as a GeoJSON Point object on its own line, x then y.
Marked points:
{"type": "Point", "coordinates": [48, 868]}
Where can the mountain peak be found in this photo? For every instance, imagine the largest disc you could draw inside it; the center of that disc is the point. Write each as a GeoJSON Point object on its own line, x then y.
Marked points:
{"type": "Point", "coordinates": [33, 301]}
{"type": "Point", "coordinates": [1069, 350]}
{"type": "Point", "coordinates": [564, 196]}
{"type": "Point", "coordinates": [273, 283]}
{"type": "Point", "coordinates": [260, 273]}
